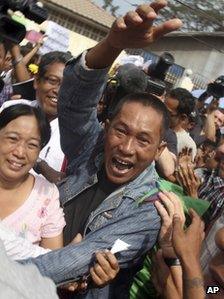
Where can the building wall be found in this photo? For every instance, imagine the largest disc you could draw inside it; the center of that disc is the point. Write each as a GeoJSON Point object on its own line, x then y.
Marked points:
{"type": "Point", "coordinates": [204, 62]}
{"type": "Point", "coordinates": [78, 43]}
{"type": "Point", "coordinates": [82, 34]}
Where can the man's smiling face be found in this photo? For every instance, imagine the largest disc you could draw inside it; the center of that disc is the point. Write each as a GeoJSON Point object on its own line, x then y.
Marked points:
{"type": "Point", "coordinates": [132, 142]}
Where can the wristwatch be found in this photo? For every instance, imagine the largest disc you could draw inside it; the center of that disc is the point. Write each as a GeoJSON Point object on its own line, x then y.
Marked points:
{"type": "Point", "coordinates": [172, 262]}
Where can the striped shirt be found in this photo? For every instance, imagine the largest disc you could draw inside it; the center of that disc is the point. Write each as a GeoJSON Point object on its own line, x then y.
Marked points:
{"type": "Point", "coordinates": [212, 190]}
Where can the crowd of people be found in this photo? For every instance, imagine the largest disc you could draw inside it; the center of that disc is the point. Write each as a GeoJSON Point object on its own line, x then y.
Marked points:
{"type": "Point", "coordinates": [106, 189]}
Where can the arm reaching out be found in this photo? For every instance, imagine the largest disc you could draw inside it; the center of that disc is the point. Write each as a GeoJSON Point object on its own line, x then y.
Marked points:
{"type": "Point", "coordinates": [134, 30]}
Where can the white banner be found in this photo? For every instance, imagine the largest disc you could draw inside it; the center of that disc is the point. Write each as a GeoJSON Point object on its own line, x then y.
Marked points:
{"type": "Point", "coordinates": [57, 38]}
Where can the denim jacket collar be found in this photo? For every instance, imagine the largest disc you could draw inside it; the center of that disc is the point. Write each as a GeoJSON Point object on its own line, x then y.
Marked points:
{"type": "Point", "coordinates": [134, 190]}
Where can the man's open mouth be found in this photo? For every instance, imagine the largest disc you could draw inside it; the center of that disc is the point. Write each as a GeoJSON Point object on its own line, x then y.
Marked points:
{"type": "Point", "coordinates": [121, 164]}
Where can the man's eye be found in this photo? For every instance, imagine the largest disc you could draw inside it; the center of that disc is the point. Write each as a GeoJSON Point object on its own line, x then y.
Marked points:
{"type": "Point", "coordinates": [144, 141]}
{"type": "Point", "coordinates": [53, 81]}
{"type": "Point", "coordinates": [120, 130]}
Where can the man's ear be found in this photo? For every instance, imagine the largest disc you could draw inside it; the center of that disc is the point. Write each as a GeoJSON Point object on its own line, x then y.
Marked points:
{"type": "Point", "coordinates": [160, 149]}
{"type": "Point", "coordinates": [107, 125]}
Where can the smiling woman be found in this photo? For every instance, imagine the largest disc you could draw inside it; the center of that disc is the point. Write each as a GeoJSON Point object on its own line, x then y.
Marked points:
{"type": "Point", "coordinates": [29, 205]}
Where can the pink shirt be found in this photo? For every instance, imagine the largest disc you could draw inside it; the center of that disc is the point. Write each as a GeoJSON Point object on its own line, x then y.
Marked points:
{"type": "Point", "coordinates": [40, 216]}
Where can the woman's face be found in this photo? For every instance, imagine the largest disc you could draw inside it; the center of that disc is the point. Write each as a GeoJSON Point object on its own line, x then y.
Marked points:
{"type": "Point", "coordinates": [20, 144]}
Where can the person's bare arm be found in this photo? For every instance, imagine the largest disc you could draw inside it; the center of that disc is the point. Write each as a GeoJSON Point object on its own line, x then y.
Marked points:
{"type": "Point", "coordinates": [209, 127]}
{"type": "Point", "coordinates": [29, 55]}
{"type": "Point", "coordinates": [20, 71]}
{"type": "Point", "coordinates": [187, 245]}
{"type": "Point", "coordinates": [193, 283]}
{"type": "Point", "coordinates": [52, 243]}
{"type": "Point", "coordinates": [168, 280]}
{"type": "Point", "coordinates": [166, 163]}
{"type": "Point", "coordinates": [48, 172]}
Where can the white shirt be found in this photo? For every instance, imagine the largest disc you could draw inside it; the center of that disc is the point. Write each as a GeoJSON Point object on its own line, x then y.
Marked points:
{"type": "Point", "coordinates": [185, 140]}
{"type": "Point", "coordinates": [52, 152]}
{"type": "Point", "coordinates": [17, 247]}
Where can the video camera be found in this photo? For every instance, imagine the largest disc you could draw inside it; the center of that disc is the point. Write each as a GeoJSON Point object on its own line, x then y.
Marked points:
{"type": "Point", "coordinates": [157, 74]}
{"type": "Point", "coordinates": [13, 31]}
{"type": "Point", "coordinates": [216, 89]}
{"type": "Point", "coordinates": [132, 79]}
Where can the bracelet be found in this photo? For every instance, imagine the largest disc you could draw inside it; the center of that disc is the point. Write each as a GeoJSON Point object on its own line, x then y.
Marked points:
{"type": "Point", "coordinates": [172, 261]}
{"type": "Point", "coordinates": [17, 60]}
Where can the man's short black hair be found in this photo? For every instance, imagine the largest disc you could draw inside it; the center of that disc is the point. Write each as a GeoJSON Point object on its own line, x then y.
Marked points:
{"type": "Point", "coordinates": [185, 99]}
{"type": "Point", "coordinates": [147, 100]}
{"type": "Point", "coordinates": [49, 58]}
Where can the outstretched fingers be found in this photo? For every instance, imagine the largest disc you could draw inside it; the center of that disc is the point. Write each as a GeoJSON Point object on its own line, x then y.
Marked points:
{"type": "Point", "coordinates": [166, 27]}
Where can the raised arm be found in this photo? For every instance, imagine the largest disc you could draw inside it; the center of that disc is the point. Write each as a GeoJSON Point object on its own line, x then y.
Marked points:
{"type": "Point", "coordinates": [20, 70]}
{"type": "Point", "coordinates": [84, 78]}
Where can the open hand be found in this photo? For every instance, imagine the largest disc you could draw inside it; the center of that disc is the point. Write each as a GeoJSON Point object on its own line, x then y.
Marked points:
{"type": "Point", "coordinates": [187, 244]}
{"type": "Point", "coordinates": [188, 180]}
{"type": "Point", "coordinates": [136, 30]}
{"type": "Point", "coordinates": [170, 206]}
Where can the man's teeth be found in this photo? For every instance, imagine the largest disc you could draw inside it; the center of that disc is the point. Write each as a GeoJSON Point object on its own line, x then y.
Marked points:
{"type": "Point", "coordinates": [55, 100]}
{"type": "Point", "coordinates": [120, 164]}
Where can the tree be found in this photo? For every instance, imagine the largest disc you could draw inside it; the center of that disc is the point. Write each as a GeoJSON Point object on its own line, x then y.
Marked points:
{"type": "Point", "coordinates": [108, 5]}
{"type": "Point", "coordinates": [200, 15]}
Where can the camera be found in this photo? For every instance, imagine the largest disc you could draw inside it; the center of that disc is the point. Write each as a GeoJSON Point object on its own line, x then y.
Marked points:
{"type": "Point", "coordinates": [132, 79]}
{"type": "Point", "coordinates": [13, 31]}
{"type": "Point", "coordinates": [216, 89]}
{"type": "Point", "coordinates": [157, 74]}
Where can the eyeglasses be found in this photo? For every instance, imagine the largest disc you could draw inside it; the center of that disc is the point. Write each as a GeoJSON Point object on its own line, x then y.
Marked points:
{"type": "Point", "coordinates": [52, 81]}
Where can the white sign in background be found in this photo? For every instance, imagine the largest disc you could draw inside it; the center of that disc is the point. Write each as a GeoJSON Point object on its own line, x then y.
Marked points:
{"type": "Point", "coordinates": [57, 39]}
